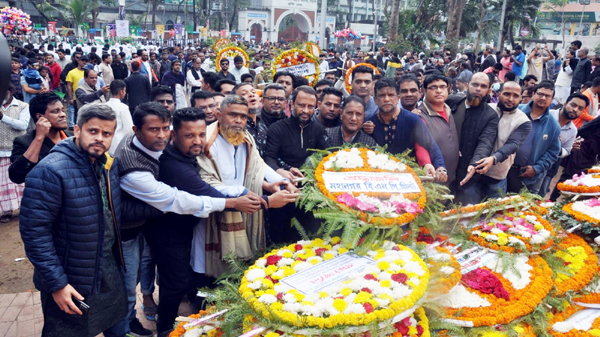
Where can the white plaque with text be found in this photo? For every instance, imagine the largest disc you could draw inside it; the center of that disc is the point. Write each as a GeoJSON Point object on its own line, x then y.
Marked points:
{"type": "Point", "coordinates": [326, 273]}
{"type": "Point", "coordinates": [370, 182]}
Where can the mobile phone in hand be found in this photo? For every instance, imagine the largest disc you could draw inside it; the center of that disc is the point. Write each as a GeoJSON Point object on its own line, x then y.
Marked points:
{"type": "Point", "coordinates": [81, 305]}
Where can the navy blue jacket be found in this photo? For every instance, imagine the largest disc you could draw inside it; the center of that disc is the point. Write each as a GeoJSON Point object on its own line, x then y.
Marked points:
{"type": "Point", "coordinates": [62, 222]}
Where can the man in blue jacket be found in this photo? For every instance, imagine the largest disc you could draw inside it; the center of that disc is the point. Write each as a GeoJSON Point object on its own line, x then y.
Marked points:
{"type": "Point", "coordinates": [540, 150]}
{"type": "Point", "coordinates": [70, 218]}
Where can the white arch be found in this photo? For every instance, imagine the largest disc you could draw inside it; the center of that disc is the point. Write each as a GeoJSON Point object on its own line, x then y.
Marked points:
{"type": "Point", "coordinates": [251, 23]}
{"type": "Point", "coordinates": [291, 12]}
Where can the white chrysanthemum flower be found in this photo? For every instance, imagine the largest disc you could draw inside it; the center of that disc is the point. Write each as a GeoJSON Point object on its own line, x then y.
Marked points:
{"type": "Point", "coordinates": [460, 297]}
{"type": "Point", "coordinates": [285, 262]}
{"type": "Point", "coordinates": [496, 230]}
{"type": "Point", "coordinates": [537, 239]}
{"type": "Point", "coordinates": [194, 332]}
{"type": "Point", "coordinates": [256, 284]}
{"type": "Point", "coordinates": [283, 251]}
{"type": "Point", "coordinates": [254, 274]}
{"type": "Point", "coordinates": [388, 245]}
{"type": "Point", "coordinates": [447, 270]}
{"type": "Point", "coordinates": [414, 267]}
{"type": "Point", "coordinates": [491, 238]}
{"type": "Point", "coordinates": [314, 258]}
{"type": "Point", "coordinates": [355, 308]}
{"type": "Point", "coordinates": [289, 298]}
{"type": "Point", "coordinates": [281, 288]}
{"type": "Point", "coordinates": [261, 263]}
{"type": "Point", "coordinates": [267, 299]}
{"type": "Point", "coordinates": [292, 307]}
{"type": "Point", "coordinates": [302, 266]}
{"type": "Point", "coordinates": [563, 327]}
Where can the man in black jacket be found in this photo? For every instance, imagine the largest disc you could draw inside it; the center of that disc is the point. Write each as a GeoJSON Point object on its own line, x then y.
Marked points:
{"type": "Point", "coordinates": [74, 63]}
{"type": "Point", "coordinates": [477, 127]}
{"type": "Point", "coordinates": [581, 73]}
{"type": "Point", "coordinates": [50, 124]}
{"type": "Point", "coordinates": [489, 59]}
{"type": "Point", "coordinates": [73, 241]}
{"type": "Point", "coordinates": [273, 110]}
{"type": "Point", "coordinates": [138, 87]}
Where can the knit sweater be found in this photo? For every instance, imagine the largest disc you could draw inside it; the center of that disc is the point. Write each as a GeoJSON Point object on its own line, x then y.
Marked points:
{"type": "Point", "coordinates": [132, 159]}
{"type": "Point", "coordinates": [7, 133]}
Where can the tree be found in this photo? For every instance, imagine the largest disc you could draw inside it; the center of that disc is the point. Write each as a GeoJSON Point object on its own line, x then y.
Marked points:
{"type": "Point", "coordinates": [455, 13]}
{"type": "Point", "coordinates": [552, 5]}
{"type": "Point", "coordinates": [40, 5]}
{"type": "Point", "coordinates": [481, 17]}
{"type": "Point", "coordinates": [77, 11]}
{"type": "Point", "coordinates": [393, 23]}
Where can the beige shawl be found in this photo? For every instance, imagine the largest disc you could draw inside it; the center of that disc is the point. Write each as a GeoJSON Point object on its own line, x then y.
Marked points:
{"type": "Point", "coordinates": [235, 232]}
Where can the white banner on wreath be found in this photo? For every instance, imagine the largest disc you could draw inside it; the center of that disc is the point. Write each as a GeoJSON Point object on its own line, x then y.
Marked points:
{"type": "Point", "coordinates": [324, 274]}
{"type": "Point", "coordinates": [122, 28]}
{"type": "Point", "coordinates": [304, 69]}
{"type": "Point", "coordinates": [370, 182]}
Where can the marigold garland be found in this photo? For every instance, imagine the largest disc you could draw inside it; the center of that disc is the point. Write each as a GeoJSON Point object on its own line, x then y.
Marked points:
{"type": "Point", "coordinates": [376, 220]}
{"type": "Point", "coordinates": [569, 311]}
{"type": "Point", "coordinates": [349, 73]}
{"type": "Point", "coordinates": [228, 52]}
{"type": "Point", "coordinates": [521, 303]}
{"type": "Point", "coordinates": [587, 268]}
{"type": "Point", "coordinates": [470, 210]}
{"type": "Point", "coordinates": [220, 44]}
{"type": "Point", "coordinates": [294, 57]}
{"type": "Point", "coordinates": [568, 208]}
{"type": "Point", "coordinates": [258, 290]}
{"type": "Point", "coordinates": [595, 169]}
{"type": "Point", "coordinates": [179, 330]}
{"type": "Point", "coordinates": [573, 185]}
{"type": "Point", "coordinates": [530, 248]}
{"type": "Point", "coordinates": [442, 283]}
{"type": "Point", "coordinates": [311, 47]}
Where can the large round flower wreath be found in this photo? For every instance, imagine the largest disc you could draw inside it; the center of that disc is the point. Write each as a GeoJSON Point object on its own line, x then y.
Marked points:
{"type": "Point", "coordinates": [584, 210]}
{"type": "Point", "coordinates": [294, 57]}
{"type": "Point", "coordinates": [220, 44]}
{"type": "Point", "coordinates": [584, 183]}
{"type": "Point", "coordinates": [581, 262]}
{"type": "Point", "coordinates": [514, 232]}
{"type": "Point", "coordinates": [229, 53]}
{"type": "Point", "coordinates": [378, 208]}
{"type": "Point", "coordinates": [206, 330]}
{"type": "Point", "coordinates": [390, 285]}
{"type": "Point", "coordinates": [312, 48]}
{"type": "Point", "coordinates": [444, 269]}
{"type": "Point", "coordinates": [508, 202]}
{"type": "Point", "coordinates": [490, 295]}
{"type": "Point", "coordinates": [348, 79]}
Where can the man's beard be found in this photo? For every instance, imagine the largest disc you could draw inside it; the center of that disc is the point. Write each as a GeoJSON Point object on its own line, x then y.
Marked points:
{"type": "Point", "coordinates": [503, 107]}
{"type": "Point", "coordinates": [566, 114]}
{"type": "Point", "coordinates": [253, 111]}
{"type": "Point", "coordinates": [475, 101]}
{"type": "Point", "coordinates": [232, 136]}
{"type": "Point", "coordinates": [92, 154]}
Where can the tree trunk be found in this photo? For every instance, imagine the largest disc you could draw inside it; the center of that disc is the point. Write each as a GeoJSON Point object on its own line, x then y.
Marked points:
{"type": "Point", "coordinates": [511, 35]}
{"type": "Point", "coordinates": [481, 17]}
{"type": "Point", "coordinates": [455, 10]}
{"type": "Point", "coordinates": [393, 24]}
{"type": "Point", "coordinates": [35, 4]}
{"type": "Point", "coordinates": [95, 13]}
{"type": "Point", "coordinates": [350, 8]}
{"type": "Point", "coordinates": [154, 13]}
{"type": "Point", "coordinates": [562, 27]}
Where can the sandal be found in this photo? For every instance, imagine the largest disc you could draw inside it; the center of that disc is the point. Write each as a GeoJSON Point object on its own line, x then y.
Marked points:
{"type": "Point", "coordinates": [149, 312]}
{"type": "Point", "coordinates": [6, 218]}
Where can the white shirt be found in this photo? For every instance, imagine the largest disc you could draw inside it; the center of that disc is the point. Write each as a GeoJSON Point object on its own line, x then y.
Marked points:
{"type": "Point", "coordinates": [17, 124]}
{"type": "Point", "coordinates": [149, 69]}
{"type": "Point", "coordinates": [124, 122]}
{"type": "Point", "coordinates": [232, 163]}
{"type": "Point", "coordinates": [323, 67]}
{"type": "Point", "coordinates": [191, 80]}
{"type": "Point", "coordinates": [143, 186]}
{"type": "Point", "coordinates": [237, 73]}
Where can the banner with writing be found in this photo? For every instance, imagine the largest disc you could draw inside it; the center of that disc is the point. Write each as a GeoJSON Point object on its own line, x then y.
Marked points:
{"type": "Point", "coordinates": [370, 182]}
{"type": "Point", "coordinates": [178, 28]}
{"type": "Point", "coordinates": [52, 26]}
{"type": "Point", "coordinates": [326, 273]}
{"type": "Point", "coordinates": [160, 30]}
{"type": "Point", "coordinates": [302, 69]}
{"type": "Point", "coordinates": [122, 28]}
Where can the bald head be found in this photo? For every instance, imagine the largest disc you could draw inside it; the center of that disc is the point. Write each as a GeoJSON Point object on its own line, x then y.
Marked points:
{"type": "Point", "coordinates": [511, 85]}
{"type": "Point", "coordinates": [509, 97]}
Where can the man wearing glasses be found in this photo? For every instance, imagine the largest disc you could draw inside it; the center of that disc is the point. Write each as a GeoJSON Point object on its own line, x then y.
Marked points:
{"type": "Point", "coordinates": [273, 110]}
{"type": "Point", "coordinates": [224, 73]}
{"type": "Point", "coordinates": [204, 100]}
{"type": "Point", "coordinates": [540, 150]}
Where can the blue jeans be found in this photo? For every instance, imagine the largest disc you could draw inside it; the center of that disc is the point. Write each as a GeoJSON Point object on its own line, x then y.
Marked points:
{"type": "Point", "coordinates": [148, 271]}
{"type": "Point", "coordinates": [72, 120]}
{"type": "Point", "coordinates": [481, 190]}
{"type": "Point", "coordinates": [132, 252]}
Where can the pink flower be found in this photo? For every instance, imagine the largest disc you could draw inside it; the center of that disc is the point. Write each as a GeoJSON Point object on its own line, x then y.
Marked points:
{"type": "Point", "coordinates": [592, 202]}
{"type": "Point", "coordinates": [486, 282]}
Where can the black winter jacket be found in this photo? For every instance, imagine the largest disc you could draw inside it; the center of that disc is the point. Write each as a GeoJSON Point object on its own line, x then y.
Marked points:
{"type": "Point", "coordinates": [62, 222]}
{"type": "Point", "coordinates": [290, 142]}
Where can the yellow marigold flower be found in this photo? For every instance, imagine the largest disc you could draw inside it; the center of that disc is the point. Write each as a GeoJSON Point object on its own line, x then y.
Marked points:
{"type": "Point", "coordinates": [272, 334]}
{"type": "Point", "coordinates": [378, 256]}
{"type": "Point", "coordinates": [411, 283]}
{"type": "Point", "coordinates": [277, 306]}
{"type": "Point", "coordinates": [374, 303]}
{"type": "Point", "coordinates": [412, 274]}
{"type": "Point", "coordinates": [335, 240]}
{"type": "Point", "coordinates": [302, 256]}
{"type": "Point", "coordinates": [307, 303]}
{"type": "Point", "coordinates": [323, 294]}
{"type": "Point", "coordinates": [343, 250]}
{"type": "Point", "coordinates": [519, 329]}
{"type": "Point", "coordinates": [309, 252]}
{"type": "Point", "coordinates": [386, 283]}
{"type": "Point", "coordinates": [385, 297]}
{"type": "Point", "coordinates": [328, 247]}
{"type": "Point", "coordinates": [211, 333]}
{"type": "Point", "coordinates": [346, 291]}
{"type": "Point", "coordinates": [288, 271]}
{"type": "Point", "coordinates": [538, 226]}
{"type": "Point", "coordinates": [327, 256]}
{"type": "Point", "coordinates": [299, 297]}
{"type": "Point", "coordinates": [318, 242]}
{"type": "Point", "coordinates": [340, 305]}
{"type": "Point", "coordinates": [259, 293]}
{"type": "Point", "coordinates": [502, 240]}
{"type": "Point", "coordinates": [594, 332]}
{"type": "Point", "coordinates": [383, 265]}
{"type": "Point", "coordinates": [399, 262]}
{"type": "Point", "coordinates": [288, 255]}
{"type": "Point", "coordinates": [267, 283]}
{"type": "Point", "coordinates": [362, 297]}
{"type": "Point", "coordinates": [412, 330]}
{"type": "Point", "coordinates": [271, 292]}
{"type": "Point", "coordinates": [270, 270]}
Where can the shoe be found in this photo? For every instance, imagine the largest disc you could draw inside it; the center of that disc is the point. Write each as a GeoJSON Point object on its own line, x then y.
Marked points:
{"type": "Point", "coordinates": [149, 312]}
{"type": "Point", "coordinates": [6, 218]}
{"type": "Point", "coordinates": [138, 330]}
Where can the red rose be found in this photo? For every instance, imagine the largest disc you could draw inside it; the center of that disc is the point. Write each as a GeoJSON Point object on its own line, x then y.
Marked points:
{"type": "Point", "coordinates": [420, 330]}
{"type": "Point", "coordinates": [368, 307]}
{"type": "Point", "coordinates": [400, 278]}
{"type": "Point", "coordinates": [371, 277]}
{"type": "Point", "coordinates": [273, 260]}
{"type": "Point", "coordinates": [271, 279]}
{"type": "Point", "coordinates": [280, 296]}
{"type": "Point", "coordinates": [320, 251]}
{"type": "Point", "coordinates": [396, 248]}
{"type": "Point", "coordinates": [298, 247]}
{"type": "Point", "coordinates": [367, 290]}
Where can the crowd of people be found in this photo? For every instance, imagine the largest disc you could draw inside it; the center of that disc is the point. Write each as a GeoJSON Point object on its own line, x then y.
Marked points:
{"type": "Point", "coordinates": [132, 164]}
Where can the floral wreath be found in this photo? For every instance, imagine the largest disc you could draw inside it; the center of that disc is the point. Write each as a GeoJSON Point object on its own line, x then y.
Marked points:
{"type": "Point", "coordinates": [503, 310]}
{"type": "Point", "coordinates": [208, 330]}
{"type": "Point", "coordinates": [508, 202]}
{"type": "Point", "coordinates": [311, 47]}
{"type": "Point", "coordinates": [574, 185]}
{"type": "Point", "coordinates": [229, 53]}
{"type": "Point", "coordinates": [595, 169]}
{"type": "Point", "coordinates": [220, 44]}
{"type": "Point", "coordinates": [556, 329]}
{"type": "Point", "coordinates": [445, 272]}
{"type": "Point", "coordinates": [531, 233]}
{"type": "Point", "coordinates": [580, 260]}
{"type": "Point", "coordinates": [349, 74]}
{"type": "Point", "coordinates": [594, 202]}
{"type": "Point", "coordinates": [357, 301]}
{"type": "Point", "coordinates": [363, 204]}
{"type": "Point", "coordinates": [295, 57]}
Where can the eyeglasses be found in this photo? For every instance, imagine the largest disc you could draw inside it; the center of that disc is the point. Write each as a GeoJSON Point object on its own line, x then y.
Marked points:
{"type": "Point", "coordinates": [165, 101]}
{"type": "Point", "coordinates": [543, 95]}
{"type": "Point", "coordinates": [273, 99]}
